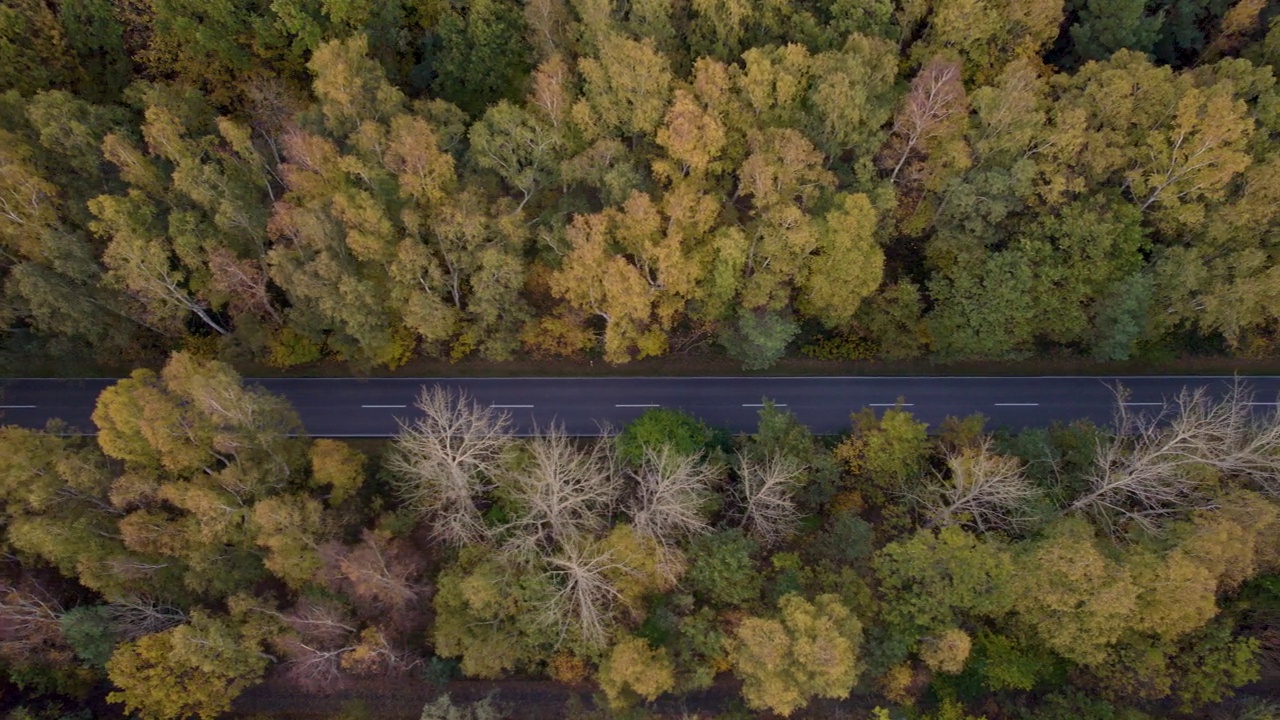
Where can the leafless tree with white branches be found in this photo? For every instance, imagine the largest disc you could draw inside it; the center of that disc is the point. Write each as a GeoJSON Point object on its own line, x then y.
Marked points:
{"type": "Point", "coordinates": [980, 488]}
{"type": "Point", "coordinates": [766, 493]}
{"type": "Point", "coordinates": [565, 492]}
{"type": "Point", "coordinates": [936, 95]}
{"type": "Point", "coordinates": [136, 615]}
{"type": "Point", "coordinates": [671, 494]}
{"type": "Point", "coordinates": [446, 460]}
{"type": "Point", "coordinates": [30, 622]}
{"type": "Point", "coordinates": [585, 598]}
{"type": "Point", "coordinates": [1166, 463]}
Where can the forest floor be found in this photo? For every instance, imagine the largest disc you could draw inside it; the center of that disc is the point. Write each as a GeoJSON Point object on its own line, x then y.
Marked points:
{"type": "Point", "coordinates": [403, 699]}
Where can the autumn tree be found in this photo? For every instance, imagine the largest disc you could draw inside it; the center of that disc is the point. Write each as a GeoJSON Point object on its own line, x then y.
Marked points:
{"type": "Point", "coordinates": [812, 650]}
{"type": "Point", "coordinates": [633, 669]}
{"type": "Point", "coordinates": [194, 669]}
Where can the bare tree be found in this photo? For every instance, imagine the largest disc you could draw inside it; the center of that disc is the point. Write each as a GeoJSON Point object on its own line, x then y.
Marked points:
{"type": "Point", "coordinates": [565, 493]}
{"type": "Point", "coordinates": [672, 492]}
{"type": "Point", "coordinates": [321, 633]}
{"type": "Point", "coordinates": [766, 492]}
{"type": "Point", "coordinates": [30, 623]}
{"type": "Point", "coordinates": [380, 573]}
{"type": "Point", "coordinates": [936, 95]}
{"type": "Point", "coordinates": [1166, 463]}
{"type": "Point", "coordinates": [585, 598]}
{"type": "Point", "coordinates": [980, 488]}
{"type": "Point", "coordinates": [137, 615]}
{"type": "Point", "coordinates": [446, 461]}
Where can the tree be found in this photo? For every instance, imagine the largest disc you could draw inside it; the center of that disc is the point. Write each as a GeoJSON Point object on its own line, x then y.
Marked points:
{"type": "Point", "coordinates": [766, 494]}
{"type": "Point", "coordinates": [1161, 465]}
{"type": "Point", "coordinates": [561, 497]}
{"type": "Point", "coordinates": [483, 56]}
{"type": "Point", "coordinates": [932, 580]}
{"type": "Point", "coordinates": [626, 88]}
{"type": "Point", "coordinates": [983, 307]}
{"type": "Point", "coordinates": [448, 459]}
{"type": "Point", "coordinates": [813, 649]}
{"type": "Point", "coordinates": [380, 573]}
{"type": "Point", "coordinates": [337, 466]}
{"type": "Point", "coordinates": [890, 451]}
{"type": "Point", "coordinates": [849, 265]}
{"type": "Point", "coordinates": [197, 415]}
{"type": "Point", "coordinates": [193, 669]}
{"type": "Point", "coordinates": [658, 428]}
{"type": "Point", "coordinates": [634, 669]}
{"type": "Point", "coordinates": [637, 268]}
{"type": "Point", "coordinates": [946, 652]}
{"type": "Point", "coordinates": [1078, 601]}
{"type": "Point", "coordinates": [320, 633]}
{"type": "Point", "coordinates": [291, 528]}
{"type": "Point", "coordinates": [759, 338]}
{"type": "Point", "coordinates": [442, 708]}
{"type": "Point", "coordinates": [929, 115]}
{"type": "Point", "coordinates": [31, 630]}
{"type": "Point", "coordinates": [518, 146]}
{"type": "Point", "coordinates": [672, 494]}
{"type": "Point", "coordinates": [722, 568]}
{"type": "Point", "coordinates": [485, 610]}
{"type": "Point", "coordinates": [982, 488]}
{"type": "Point", "coordinates": [1102, 28]}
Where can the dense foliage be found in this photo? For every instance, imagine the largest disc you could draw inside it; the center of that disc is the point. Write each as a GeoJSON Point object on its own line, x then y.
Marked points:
{"type": "Point", "coordinates": [373, 181]}
{"type": "Point", "coordinates": [199, 545]}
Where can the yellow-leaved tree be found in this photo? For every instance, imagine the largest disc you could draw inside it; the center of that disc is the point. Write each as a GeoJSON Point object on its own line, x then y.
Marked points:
{"type": "Point", "coordinates": [811, 650]}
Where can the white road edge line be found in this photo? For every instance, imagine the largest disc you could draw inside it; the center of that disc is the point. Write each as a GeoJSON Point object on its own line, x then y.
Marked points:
{"type": "Point", "coordinates": [891, 404]}
{"type": "Point", "coordinates": [762, 405]}
{"type": "Point", "coordinates": [1137, 404]}
{"type": "Point", "coordinates": [635, 406]}
{"type": "Point", "coordinates": [384, 406]}
{"type": "Point", "coordinates": [15, 407]}
{"type": "Point", "coordinates": [511, 406]}
{"type": "Point", "coordinates": [1017, 404]}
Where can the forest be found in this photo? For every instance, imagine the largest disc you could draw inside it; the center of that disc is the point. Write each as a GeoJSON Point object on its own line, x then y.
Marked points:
{"type": "Point", "coordinates": [374, 181]}
{"type": "Point", "coordinates": [199, 545]}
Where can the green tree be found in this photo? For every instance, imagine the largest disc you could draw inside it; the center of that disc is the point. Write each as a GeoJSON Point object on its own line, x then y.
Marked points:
{"type": "Point", "coordinates": [482, 54]}
{"type": "Point", "coordinates": [759, 338]}
{"type": "Point", "coordinates": [934, 580]}
{"type": "Point", "coordinates": [662, 427]}
{"type": "Point", "coordinates": [722, 569]}
{"type": "Point", "coordinates": [849, 265]}
{"type": "Point", "coordinates": [1103, 27]}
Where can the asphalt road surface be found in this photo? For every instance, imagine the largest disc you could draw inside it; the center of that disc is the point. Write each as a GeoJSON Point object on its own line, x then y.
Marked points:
{"type": "Point", "coordinates": [370, 407]}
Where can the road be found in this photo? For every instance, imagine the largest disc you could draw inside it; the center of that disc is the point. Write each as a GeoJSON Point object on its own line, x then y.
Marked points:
{"type": "Point", "coordinates": [354, 407]}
